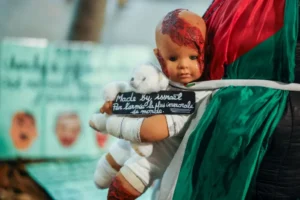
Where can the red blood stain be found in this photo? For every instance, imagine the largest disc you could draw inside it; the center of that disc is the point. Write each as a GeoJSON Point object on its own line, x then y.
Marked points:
{"type": "Point", "coordinates": [118, 192]}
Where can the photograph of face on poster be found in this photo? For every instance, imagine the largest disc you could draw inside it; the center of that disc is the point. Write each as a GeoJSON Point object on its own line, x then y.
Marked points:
{"type": "Point", "coordinates": [68, 128]}
{"type": "Point", "coordinates": [101, 139]}
{"type": "Point", "coordinates": [23, 130]}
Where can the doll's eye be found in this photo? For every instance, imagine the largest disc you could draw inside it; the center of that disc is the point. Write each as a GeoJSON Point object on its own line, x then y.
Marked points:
{"type": "Point", "coordinates": [173, 58]}
{"type": "Point", "coordinates": [144, 78]}
{"type": "Point", "coordinates": [193, 57]}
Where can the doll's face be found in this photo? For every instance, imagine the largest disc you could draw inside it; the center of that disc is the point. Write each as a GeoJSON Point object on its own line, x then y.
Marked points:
{"type": "Point", "coordinates": [180, 39]}
{"type": "Point", "coordinates": [23, 130]}
{"type": "Point", "coordinates": [180, 63]}
{"type": "Point", "coordinates": [67, 129]}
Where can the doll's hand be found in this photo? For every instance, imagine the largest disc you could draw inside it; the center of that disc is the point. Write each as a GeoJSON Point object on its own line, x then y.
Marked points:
{"type": "Point", "coordinates": [107, 107]}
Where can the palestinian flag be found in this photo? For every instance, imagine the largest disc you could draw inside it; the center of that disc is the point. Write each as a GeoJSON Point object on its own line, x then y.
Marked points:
{"type": "Point", "coordinates": [248, 39]}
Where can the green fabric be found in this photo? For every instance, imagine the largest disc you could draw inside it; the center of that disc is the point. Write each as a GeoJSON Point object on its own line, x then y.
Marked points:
{"type": "Point", "coordinates": [227, 146]}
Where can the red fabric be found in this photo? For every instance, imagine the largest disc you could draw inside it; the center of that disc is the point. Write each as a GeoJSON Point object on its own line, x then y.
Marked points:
{"type": "Point", "coordinates": [118, 192]}
{"type": "Point", "coordinates": [236, 28]}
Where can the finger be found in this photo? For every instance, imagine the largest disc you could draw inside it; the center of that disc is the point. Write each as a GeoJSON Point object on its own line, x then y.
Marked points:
{"type": "Point", "coordinates": [109, 109]}
{"type": "Point", "coordinates": [104, 108]}
{"type": "Point", "coordinates": [101, 110]}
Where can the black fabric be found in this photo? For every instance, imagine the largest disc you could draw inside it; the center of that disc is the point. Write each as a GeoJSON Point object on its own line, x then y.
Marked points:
{"type": "Point", "coordinates": [279, 174]}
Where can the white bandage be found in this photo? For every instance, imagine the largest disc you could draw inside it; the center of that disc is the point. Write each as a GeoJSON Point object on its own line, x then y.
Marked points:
{"type": "Point", "coordinates": [143, 149]}
{"type": "Point", "coordinates": [133, 180]}
{"type": "Point", "coordinates": [98, 122]}
{"type": "Point", "coordinates": [104, 173]}
{"type": "Point", "coordinates": [124, 127]}
{"type": "Point", "coordinates": [121, 151]}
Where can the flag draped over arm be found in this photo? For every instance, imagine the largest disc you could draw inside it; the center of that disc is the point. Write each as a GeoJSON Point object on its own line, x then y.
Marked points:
{"type": "Point", "coordinates": [247, 39]}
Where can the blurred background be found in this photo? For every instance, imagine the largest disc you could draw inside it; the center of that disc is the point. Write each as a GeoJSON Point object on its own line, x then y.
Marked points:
{"type": "Point", "coordinates": [55, 57]}
{"type": "Point", "coordinates": [105, 21]}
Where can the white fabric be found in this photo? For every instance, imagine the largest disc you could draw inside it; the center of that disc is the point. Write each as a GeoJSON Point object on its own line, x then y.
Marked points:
{"type": "Point", "coordinates": [132, 179]}
{"type": "Point", "coordinates": [176, 122]}
{"type": "Point", "coordinates": [156, 187]}
{"type": "Point", "coordinates": [104, 173]}
{"type": "Point", "coordinates": [143, 149]}
{"type": "Point", "coordinates": [216, 84]}
{"type": "Point", "coordinates": [170, 176]}
{"type": "Point", "coordinates": [124, 127]}
{"type": "Point", "coordinates": [98, 122]}
{"type": "Point", "coordinates": [121, 151]}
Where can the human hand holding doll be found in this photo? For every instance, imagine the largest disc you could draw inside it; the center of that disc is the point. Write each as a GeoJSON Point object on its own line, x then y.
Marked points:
{"type": "Point", "coordinates": [180, 39]}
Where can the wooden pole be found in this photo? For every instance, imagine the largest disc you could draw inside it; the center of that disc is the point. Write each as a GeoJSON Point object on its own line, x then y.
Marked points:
{"type": "Point", "coordinates": [88, 20]}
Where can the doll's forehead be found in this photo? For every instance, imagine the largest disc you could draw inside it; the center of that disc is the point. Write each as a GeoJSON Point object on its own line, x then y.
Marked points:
{"type": "Point", "coordinates": [168, 46]}
{"type": "Point", "coordinates": [23, 117]}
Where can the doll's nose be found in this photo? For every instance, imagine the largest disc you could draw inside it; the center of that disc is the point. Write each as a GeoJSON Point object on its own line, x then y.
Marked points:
{"type": "Point", "coordinates": [183, 64]}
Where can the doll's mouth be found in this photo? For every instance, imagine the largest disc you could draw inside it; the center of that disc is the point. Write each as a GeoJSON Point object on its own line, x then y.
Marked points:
{"type": "Point", "coordinates": [23, 136]}
{"type": "Point", "coordinates": [184, 75]}
{"type": "Point", "coordinates": [67, 141]}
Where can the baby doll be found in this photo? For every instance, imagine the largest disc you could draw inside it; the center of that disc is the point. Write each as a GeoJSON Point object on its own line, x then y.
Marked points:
{"type": "Point", "coordinates": [145, 79]}
{"type": "Point", "coordinates": [180, 39]}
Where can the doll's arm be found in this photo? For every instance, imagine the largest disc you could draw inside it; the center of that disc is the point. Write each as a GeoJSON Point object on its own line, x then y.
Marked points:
{"type": "Point", "coordinates": [159, 127]}
{"type": "Point", "coordinates": [150, 129]}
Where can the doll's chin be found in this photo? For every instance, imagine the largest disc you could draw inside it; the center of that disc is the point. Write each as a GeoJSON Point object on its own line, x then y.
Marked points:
{"type": "Point", "coordinates": [23, 144]}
